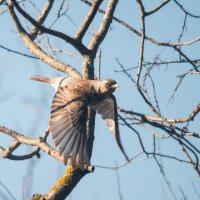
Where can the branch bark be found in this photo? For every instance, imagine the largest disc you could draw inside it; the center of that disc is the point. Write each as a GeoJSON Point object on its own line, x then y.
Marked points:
{"type": "Point", "coordinates": [42, 17]}
{"type": "Point", "coordinates": [142, 16]}
{"type": "Point", "coordinates": [21, 139]}
{"type": "Point", "coordinates": [36, 50]}
{"type": "Point", "coordinates": [88, 19]}
{"type": "Point", "coordinates": [103, 29]}
{"type": "Point", "coordinates": [190, 117]}
{"type": "Point", "coordinates": [76, 44]}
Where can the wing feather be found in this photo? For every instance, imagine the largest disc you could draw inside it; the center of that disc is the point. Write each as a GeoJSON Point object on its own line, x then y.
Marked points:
{"type": "Point", "coordinates": [67, 148]}
{"type": "Point", "coordinates": [74, 151]}
{"type": "Point", "coordinates": [68, 126]}
{"type": "Point", "coordinates": [79, 157]}
{"type": "Point", "coordinates": [108, 109]}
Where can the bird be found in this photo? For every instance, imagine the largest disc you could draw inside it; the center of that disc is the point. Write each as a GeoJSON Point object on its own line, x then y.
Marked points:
{"type": "Point", "coordinates": [67, 123]}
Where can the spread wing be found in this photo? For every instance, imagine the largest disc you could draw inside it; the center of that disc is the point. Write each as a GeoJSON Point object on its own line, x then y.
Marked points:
{"type": "Point", "coordinates": [108, 109]}
{"type": "Point", "coordinates": [68, 126]}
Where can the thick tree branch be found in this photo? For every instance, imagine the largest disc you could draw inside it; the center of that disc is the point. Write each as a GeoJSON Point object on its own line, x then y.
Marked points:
{"type": "Point", "coordinates": [76, 44]}
{"type": "Point", "coordinates": [65, 184]}
{"type": "Point", "coordinates": [88, 20]}
{"type": "Point", "coordinates": [40, 20]}
{"type": "Point", "coordinates": [21, 139]}
{"type": "Point", "coordinates": [103, 29]}
{"type": "Point", "coordinates": [37, 51]}
{"type": "Point", "coordinates": [7, 152]}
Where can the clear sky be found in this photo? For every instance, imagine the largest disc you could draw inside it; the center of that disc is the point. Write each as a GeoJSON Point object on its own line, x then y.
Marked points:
{"type": "Point", "coordinates": [25, 106]}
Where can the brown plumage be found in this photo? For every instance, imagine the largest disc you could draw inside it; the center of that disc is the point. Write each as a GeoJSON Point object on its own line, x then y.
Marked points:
{"type": "Point", "coordinates": [69, 114]}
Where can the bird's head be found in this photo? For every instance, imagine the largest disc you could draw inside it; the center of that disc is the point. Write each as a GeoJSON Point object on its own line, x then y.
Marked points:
{"type": "Point", "coordinates": [108, 86]}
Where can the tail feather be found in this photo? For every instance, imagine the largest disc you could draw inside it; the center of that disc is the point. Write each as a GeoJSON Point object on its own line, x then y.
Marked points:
{"type": "Point", "coordinates": [42, 79]}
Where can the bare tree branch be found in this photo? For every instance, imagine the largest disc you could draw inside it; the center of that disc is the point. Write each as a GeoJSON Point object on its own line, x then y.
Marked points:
{"type": "Point", "coordinates": [42, 17]}
{"type": "Point", "coordinates": [88, 19]}
{"type": "Point", "coordinates": [17, 52]}
{"type": "Point", "coordinates": [28, 141]}
{"type": "Point", "coordinates": [8, 191]}
{"type": "Point", "coordinates": [186, 57]}
{"type": "Point", "coordinates": [76, 44]}
{"type": "Point", "coordinates": [152, 40]}
{"type": "Point", "coordinates": [196, 191]}
{"type": "Point", "coordinates": [103, 29]}
{"type": "Point", "coordinates": [157, 8]}
{"type": "Point", "coordinates": [37, 51]}
{"type": "Point", "coordinates": [190, 117]}
{"type": "Point", "coordinates": [142, 15]}
{"type": "Point", "coordinates": [65, 185]}
{"type": "Point", "coordinates": [195, 164]}
{"type": "Point", "coordinates": [183, 9]}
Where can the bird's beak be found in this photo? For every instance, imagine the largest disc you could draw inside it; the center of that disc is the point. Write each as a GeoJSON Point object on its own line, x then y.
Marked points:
{"type": "Point", "coordinates": [115, 86]}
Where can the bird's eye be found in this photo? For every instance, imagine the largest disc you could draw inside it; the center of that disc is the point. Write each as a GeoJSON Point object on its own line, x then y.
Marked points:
{"type": "Point", "coordinates": [107, 84]}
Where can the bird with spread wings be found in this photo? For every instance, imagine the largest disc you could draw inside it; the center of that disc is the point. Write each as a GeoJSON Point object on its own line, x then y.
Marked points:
{"type": "Point", "coordinates": [68, 116]}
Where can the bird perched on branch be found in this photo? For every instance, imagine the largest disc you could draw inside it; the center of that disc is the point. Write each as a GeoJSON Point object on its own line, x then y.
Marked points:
{"type": "Point", "coordinates": [68, 117]}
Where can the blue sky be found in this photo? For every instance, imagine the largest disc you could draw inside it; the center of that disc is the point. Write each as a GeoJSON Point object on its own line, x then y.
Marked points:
{"type": "Point", "coordinates": [25, 105]}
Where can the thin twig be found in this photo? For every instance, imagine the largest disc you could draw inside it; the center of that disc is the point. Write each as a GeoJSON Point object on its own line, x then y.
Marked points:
{"type": "Point", "coordinates": [134, 30]}
{"type": "Point", "coordinates": [184, 10]}
{"type": "Point", "coordinates": [154, 10]}
{"type": "Point", "coordinates": [167, 182]}
{"type": "Point", "coordinates": [118, 183]}
{"type": "Point", "coordinates": [142, 16]}
{"type": "Point", "coordinates": [17, 52]}
{"type": "Point", "coordinates": [120, 166]}
{"type": "Point", "coordinates": [8, 191]}
{"type": "Point", "coordinates": [196, 190]}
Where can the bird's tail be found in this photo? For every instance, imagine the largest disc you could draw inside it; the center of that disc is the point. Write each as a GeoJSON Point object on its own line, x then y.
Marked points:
{"type": "Point", "coordinates": [42, 79]}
